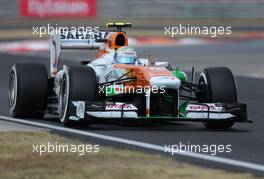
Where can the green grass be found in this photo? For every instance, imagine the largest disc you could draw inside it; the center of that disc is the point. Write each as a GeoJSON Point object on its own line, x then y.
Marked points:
{"type": "Point", "coordinates": [18, 161]}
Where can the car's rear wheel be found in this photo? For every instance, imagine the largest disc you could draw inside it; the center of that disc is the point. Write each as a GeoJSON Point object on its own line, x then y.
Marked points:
{"type": "Point", "coordinates": [78, 84]}
{"type": "Point", "coordinates": [219, 86]}
{"type": "Point", "coordinates": [28, 90]}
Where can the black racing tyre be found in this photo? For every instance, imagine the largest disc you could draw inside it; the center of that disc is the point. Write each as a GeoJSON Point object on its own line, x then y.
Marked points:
{"type": "Point", "coordinates": [219, 86]}
{"type": "Point", "coordinates": [28, 90]}
{"type": "Point", "coordinates": [79, 84]}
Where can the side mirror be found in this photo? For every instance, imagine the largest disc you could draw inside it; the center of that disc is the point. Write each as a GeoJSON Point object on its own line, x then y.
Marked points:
{"type": "Point", "coordinates": [142, 62]}
{"type": "Point", "coordinates": [161, 64]}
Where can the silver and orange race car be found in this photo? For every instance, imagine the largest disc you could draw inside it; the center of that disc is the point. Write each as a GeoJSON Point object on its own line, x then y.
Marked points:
{"type": "Point", "coordinates": [118, 85]}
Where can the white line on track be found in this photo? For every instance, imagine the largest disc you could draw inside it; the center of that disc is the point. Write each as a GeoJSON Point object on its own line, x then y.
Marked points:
{"type": "Point", "coordinates": [222, 160]}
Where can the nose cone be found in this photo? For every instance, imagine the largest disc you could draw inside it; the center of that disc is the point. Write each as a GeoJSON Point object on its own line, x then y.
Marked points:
{"type": "Point", "coordinates": [170, 82]}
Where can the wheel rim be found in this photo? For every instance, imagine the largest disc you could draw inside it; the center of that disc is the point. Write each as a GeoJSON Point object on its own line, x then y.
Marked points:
{"type": "Point", "coordinates": [12, 92]}
{"type": "Point", "coordinates": [63, 100]}
{"type": "Point", "coordinates": [203, 82]}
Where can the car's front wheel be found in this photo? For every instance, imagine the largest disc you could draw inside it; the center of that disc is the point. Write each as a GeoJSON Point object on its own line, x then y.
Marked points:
{"type": "Point", "coordinates": [78, 84]}
{"type": "Point", "coordinates": [219, 86]}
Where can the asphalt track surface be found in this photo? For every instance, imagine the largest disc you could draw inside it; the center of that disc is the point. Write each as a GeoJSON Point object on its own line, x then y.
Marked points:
{"type": "Point", "coordinates": [244, 58]}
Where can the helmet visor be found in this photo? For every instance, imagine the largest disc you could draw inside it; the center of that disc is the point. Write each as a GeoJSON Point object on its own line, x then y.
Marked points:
{"type": "Point", "coordinates": [126, 59]}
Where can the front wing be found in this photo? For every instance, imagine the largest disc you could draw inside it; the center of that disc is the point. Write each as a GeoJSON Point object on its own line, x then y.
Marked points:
{"type": "Point", "coordinates": [193, 112]}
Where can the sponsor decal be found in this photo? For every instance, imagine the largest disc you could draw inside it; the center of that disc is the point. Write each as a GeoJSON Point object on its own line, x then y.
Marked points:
{"type": "Point", "coordinates": [58, 8]}
{"type": "Point", "coordinates": [80, 35]}
{"type": "Point", "coordinates": [204, 107]}
{"type": "Point", "coordinates": [118, 106]}
{"type": "Point", "coordinates": [112, 75]}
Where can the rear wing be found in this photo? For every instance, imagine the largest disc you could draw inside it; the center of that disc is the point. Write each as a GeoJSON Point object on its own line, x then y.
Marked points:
{"type": "Point", "coordinates": [85, 40]}
{"type": "Point", "coordinates": [73, 40]}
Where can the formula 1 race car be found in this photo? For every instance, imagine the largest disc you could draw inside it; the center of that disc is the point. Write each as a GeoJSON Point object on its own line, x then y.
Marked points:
{"type": "Point", "coordinates": [120, 86]}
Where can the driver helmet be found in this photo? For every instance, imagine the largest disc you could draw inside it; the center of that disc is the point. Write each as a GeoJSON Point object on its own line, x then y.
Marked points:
{"type": "Point", "coordinates": [125, 55]}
